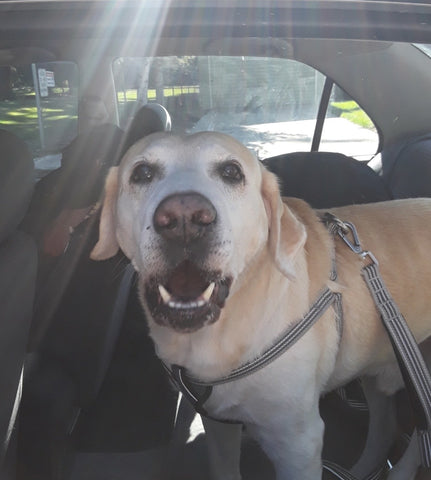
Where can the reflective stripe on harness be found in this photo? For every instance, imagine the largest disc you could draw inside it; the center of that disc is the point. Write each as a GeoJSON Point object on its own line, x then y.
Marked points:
{"type": "Point", "coordinates": [289, 338]}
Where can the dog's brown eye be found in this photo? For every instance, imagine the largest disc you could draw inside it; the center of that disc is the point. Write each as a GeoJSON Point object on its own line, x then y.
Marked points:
{"type": "Point", "coordinates": [142, 173]}
{"type": "Point", "coordinates": [231, 172]}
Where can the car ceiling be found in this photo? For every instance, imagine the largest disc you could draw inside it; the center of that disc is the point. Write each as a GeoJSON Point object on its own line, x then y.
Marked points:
{"type": "Point", "coordinates": [370, 19]}
{"type": "Point", "coordinates": [355, 42]}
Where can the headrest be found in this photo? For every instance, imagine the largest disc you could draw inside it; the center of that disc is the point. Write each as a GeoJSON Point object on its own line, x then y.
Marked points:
{"type": "Point", "coordinates": [85, 163]}
{"type": "Point", "coordinates": [150, 118]}
{"type": "Point", "coordinates": [327, 179]}
{"type": "Point", "coordinates": [16, 182]}
{"type": "Point", "coordinates": [411, 173]}
{"type": "Point", "coordinates": [92, 111]}
{"type": "Point", "coordinates": [79, 182]}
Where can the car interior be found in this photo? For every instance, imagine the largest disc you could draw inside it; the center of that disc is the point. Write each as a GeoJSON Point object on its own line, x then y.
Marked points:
{"type": "Point", "coordinates": [332, 96]}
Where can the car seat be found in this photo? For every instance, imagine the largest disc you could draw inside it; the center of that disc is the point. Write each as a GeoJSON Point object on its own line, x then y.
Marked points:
{"type": "Point", "coordinates": [18, 264]}
{"type": "Point", "coordinates": [326, 179]}
{"type": "Point", "coordinates": [80, 310]}
{"type": "Point", "coordinates": [53, 380]}
{"type": "Point", "coordinates": [410, 175]}
{"type": "Point", "coordinates": [150, 118]}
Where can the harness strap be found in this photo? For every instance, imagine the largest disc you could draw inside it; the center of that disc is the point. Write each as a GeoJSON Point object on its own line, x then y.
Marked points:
{"type": "Point", "coordinates": [291, 336]}
{"type": "Point", "coordinates": [196, 395]}
{"type": "Point", "coordinates": [197, 392]}
{"type": "Point", "coordinates": [340, 473]}
{"type": "Point", "coordinates": [197, 399]}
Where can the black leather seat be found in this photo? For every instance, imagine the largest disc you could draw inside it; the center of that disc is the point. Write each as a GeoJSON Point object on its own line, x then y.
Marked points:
{"type": "Point", "coordinates": [410, 175]}
{"type": "Point", "coordinates": [327, 179]}
{"type": "Point", "coordinates": [18, 264]}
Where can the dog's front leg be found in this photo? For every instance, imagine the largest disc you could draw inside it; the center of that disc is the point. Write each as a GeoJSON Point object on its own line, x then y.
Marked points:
{"type": "Point", "coordinates": [408, 465]}
{"type": "Point", "coordinates": [224, 447]}
{"type": "Point", "coordinates": [293, 441]}
{"type": "Point", "coordinates": [381, 430]}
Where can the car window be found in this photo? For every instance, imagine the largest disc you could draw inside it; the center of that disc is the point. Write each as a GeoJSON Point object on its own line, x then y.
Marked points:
{"type": "Point", "coordinates": [348, 129]}
{"type": "Point", "coordinates": [39, 104]}
{"type": "Point", "coordinates": [269, 104]}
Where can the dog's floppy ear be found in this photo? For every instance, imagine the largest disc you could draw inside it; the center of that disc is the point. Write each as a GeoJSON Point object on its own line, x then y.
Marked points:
{"type": "Point", "coordinates": [287, 234]}
{"type": "Point", "coordinates": [107, 246]}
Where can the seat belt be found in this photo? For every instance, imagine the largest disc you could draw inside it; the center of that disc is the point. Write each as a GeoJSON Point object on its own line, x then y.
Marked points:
{"type": "Point", "coordinates": [115, 322]}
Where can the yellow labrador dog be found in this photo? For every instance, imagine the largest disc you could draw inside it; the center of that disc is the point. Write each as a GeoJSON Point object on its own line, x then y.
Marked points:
{"type": "Point", "coordinates": [226, 265]}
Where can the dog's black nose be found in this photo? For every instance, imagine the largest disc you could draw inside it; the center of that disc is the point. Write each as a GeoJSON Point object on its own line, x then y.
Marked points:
{"type": "Point", "coordinates": [184, 217]}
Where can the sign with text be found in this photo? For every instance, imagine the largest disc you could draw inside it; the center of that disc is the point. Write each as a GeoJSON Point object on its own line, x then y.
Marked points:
{"type": "Point", "coordinates": [50, 82]}
{"type": "Point", "coordinates": [43, 85]}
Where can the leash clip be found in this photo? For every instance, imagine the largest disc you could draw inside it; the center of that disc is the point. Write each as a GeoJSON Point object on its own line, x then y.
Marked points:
{"type": "Point", "coordinates": [344, 228]}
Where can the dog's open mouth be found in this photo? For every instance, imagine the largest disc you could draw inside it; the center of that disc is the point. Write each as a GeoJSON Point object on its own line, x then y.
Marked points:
{"type": "Point", "coordinates": [187, 298]}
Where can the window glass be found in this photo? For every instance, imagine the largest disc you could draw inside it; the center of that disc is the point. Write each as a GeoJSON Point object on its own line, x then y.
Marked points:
{"type": "Point", "coordinates": [348, 129]}
{"type": "Point", "coordinates": [39, 104]}
{"type": "Point", "coordinates": [270, 104]}
{"type": "Point", "coordinates": [426, 48]}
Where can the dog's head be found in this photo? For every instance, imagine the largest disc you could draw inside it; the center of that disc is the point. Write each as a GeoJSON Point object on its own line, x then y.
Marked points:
{"type": "Point", "coordinates": [192, 213]}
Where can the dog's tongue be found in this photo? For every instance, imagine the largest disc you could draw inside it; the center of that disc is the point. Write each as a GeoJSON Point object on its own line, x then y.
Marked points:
{"type": "Point", "coordinates": [186, 282]}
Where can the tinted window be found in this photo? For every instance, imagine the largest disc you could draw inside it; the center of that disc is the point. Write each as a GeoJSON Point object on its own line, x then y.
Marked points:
{"type": "Point", "coordinates": [348, 129]}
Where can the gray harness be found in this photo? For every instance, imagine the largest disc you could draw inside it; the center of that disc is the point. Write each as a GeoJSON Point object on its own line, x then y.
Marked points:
{"type": "Point", "coordinates": [415, 373]}
{"type": "Point", "coordinates": [198, 392]}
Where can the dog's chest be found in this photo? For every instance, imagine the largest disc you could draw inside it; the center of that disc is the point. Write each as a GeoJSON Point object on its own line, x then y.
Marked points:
{"type": "Point", "coordinates": [266, 394]}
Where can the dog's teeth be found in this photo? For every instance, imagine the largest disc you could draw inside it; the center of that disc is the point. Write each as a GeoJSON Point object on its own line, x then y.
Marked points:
{"type": "Point", "coordinates": [208, 292]}
{"type": "Point", "coordinates": [171, 302]}
{"type": "Point", "coordinates": [178, 305]}
{"type": "Point", "coordinates": [166, 296]}
{"type": "Point", "coordinates": [185, 305]}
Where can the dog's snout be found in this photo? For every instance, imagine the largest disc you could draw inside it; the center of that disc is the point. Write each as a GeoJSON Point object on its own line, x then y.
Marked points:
{"type": "Point", "coordinates": [184, 217]}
